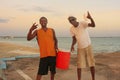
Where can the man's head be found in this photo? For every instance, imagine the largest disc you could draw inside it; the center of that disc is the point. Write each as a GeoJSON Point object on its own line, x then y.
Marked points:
{"type": "Point", "coordinates": [43, 21]}
{"type": "Point", "coordinates": [72, 20]}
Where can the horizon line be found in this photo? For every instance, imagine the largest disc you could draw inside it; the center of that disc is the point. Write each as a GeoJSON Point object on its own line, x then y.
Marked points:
{"type": "Point", "coordinates": [64, 36]}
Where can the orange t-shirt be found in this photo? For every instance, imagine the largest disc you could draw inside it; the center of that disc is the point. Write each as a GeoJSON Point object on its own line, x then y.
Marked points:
{"type": "Point", "coordinates": [46, 42]}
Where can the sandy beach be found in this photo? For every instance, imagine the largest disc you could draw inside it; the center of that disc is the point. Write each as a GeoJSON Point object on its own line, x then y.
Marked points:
{"type": "Point", "coordinates": [11, 50]}
{"type": "Point", "coordinates": [107, 65]}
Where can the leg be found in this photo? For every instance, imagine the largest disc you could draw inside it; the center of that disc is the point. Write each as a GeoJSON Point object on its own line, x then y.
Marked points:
{"type": "Point", "coordinates": [39, 77]}
{"type": "Point", "coordinates": [52, 76]}
{"type": "Point", "coordinates": [92, 69]}
{"type": "Point", "coordinates": [79, 73]}
{"type": "Point", "coordinates": [80, 62]}
{"type": "Point", "coordinates": [52, 63]}
{"type": "Point", "coordinates": [1, 79]}
{"type": "Point", "coordinates": [43, 68]}
{"type": "Point", "coordinates": [91, 61]}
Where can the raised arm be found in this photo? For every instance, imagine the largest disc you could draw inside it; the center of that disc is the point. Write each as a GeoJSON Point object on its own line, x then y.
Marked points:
{"type": "Point", "coordinates": [92, 24]}
{"type": "Point", "coordinates": [32, 32]}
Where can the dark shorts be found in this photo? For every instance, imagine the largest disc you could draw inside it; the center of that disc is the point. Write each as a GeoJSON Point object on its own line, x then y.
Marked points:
{"type": "Point", "coordinates": [46, 64]}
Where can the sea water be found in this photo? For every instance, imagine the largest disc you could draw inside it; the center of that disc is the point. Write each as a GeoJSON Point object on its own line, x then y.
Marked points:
{"type": "Point", "coordinates": [99, 44]}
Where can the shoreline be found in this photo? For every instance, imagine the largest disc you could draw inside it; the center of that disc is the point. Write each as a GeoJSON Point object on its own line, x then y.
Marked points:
{"type": "Point", "coordinates": [107, 64]}
{"type": "Point", "coordinates": [20, 49]}
{"type": "Point", "coordinates": [12, 50]}
{"type": "Point", "coordinates": [99, 45]}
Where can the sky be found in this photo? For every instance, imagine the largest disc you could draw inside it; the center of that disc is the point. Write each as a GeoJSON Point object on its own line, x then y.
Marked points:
{"type": "Point", "coordinates": [17, 16]}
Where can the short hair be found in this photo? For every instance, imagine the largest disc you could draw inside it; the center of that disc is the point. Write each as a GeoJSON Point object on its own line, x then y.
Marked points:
{"type": "Point", "coordinates": [43, 18]}
{"type": "Point", "coordinates": [71, 18]}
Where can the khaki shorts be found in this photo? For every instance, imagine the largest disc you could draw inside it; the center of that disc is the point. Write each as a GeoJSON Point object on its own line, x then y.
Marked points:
{"type": "Point", "coordinates": [85, 57]}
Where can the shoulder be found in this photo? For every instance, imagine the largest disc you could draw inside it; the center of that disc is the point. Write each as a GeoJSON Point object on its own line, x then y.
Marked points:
{"type": "Point", "coordinates": [71, 28]}
{"type": "Point", "coordinates": [84, 23]}
{"type": "Point", "coordinates": [50, 29]}
{"type": "Point", "coordinates": [72, 31]}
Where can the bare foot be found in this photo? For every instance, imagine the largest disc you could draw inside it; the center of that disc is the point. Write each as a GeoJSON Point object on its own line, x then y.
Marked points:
{"type": "Point", "coordinates": [1, 79]}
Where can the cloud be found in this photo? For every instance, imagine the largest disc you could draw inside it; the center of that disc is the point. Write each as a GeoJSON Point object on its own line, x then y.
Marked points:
{"type": "Point", "coordinates": [3, 20]}
{"type": "Point", "coordinates": [36, 9]}
{"type": "Point", "coordinates": [41, 9]}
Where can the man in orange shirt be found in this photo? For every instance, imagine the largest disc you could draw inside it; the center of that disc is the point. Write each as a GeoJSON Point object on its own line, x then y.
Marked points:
{"type": "Point", "coordinates": [47, 42]}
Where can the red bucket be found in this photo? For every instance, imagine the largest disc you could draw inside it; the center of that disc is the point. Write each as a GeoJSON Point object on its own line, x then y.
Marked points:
{"type": "Point", "coordinates": [63, 60]}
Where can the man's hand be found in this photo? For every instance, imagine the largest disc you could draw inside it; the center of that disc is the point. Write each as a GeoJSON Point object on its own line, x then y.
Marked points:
{"type": "Point", "coordinates": [88, 16]}
{"type": "Point", "coordinates": [72, 49]}
{"type": "Point", "coordinates": [92, 24]}
{"type": "Point", "coordinates": [32, 34]}
{"type": "Point", "coordinates": [34, 26]}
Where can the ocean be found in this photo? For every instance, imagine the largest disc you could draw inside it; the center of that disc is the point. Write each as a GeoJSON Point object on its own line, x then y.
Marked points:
{"type": "Point", "coordinates": [99, 44]}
